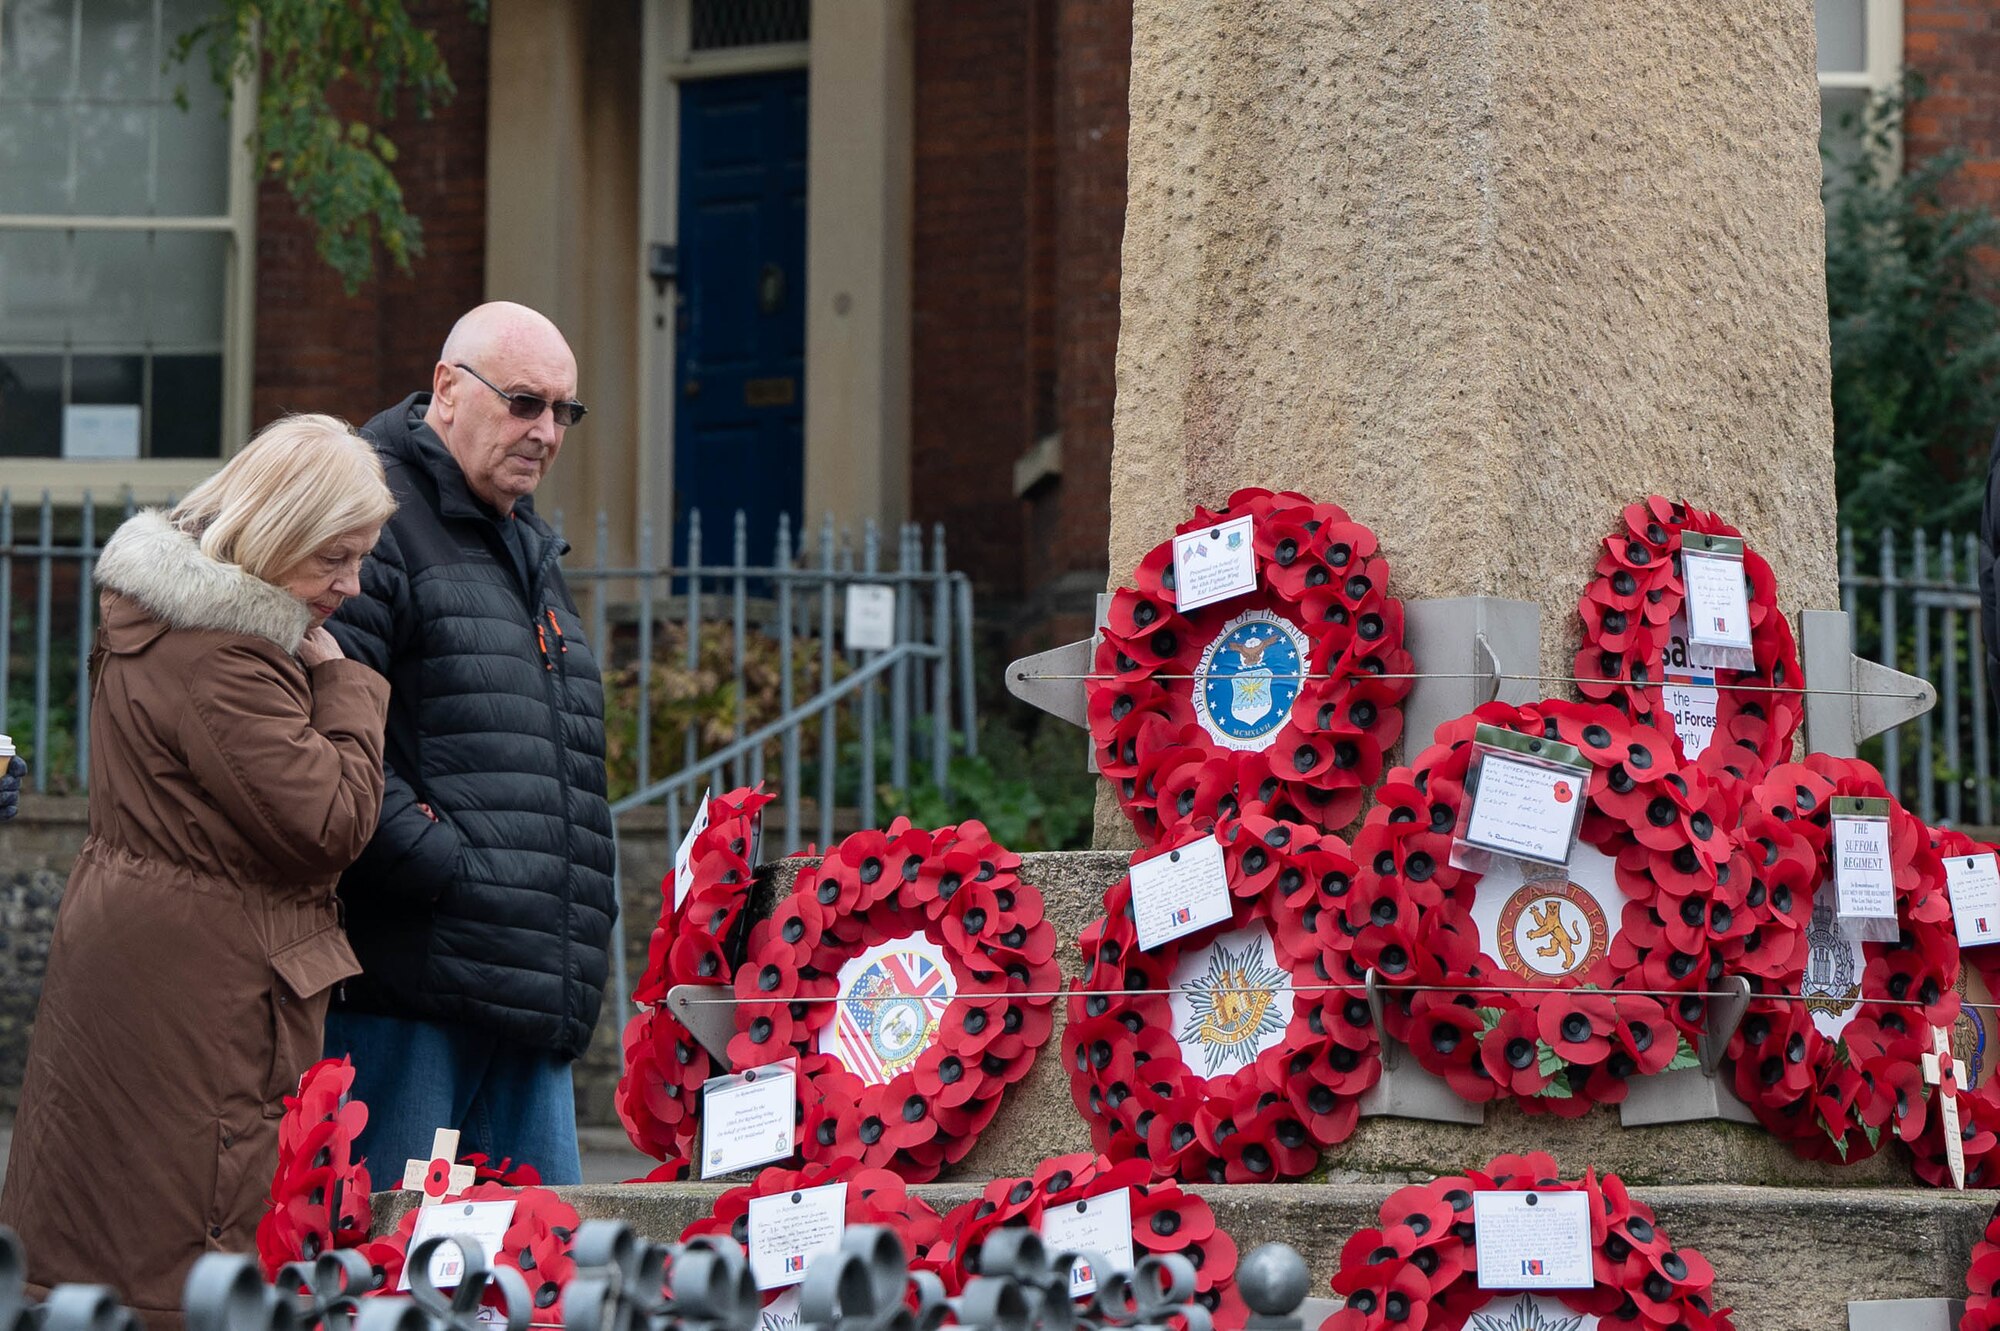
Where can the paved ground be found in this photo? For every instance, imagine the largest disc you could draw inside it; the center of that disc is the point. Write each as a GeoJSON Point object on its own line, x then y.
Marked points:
{"type": "Point", "coordinates": [607, 1156]}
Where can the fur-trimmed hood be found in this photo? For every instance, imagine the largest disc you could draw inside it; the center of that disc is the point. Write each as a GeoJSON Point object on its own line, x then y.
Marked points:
{"type": "Point", "coordinates": [163, 569]}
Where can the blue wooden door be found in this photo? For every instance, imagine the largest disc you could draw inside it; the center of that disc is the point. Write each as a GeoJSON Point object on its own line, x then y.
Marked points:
{"type": "Point", "coordinates": [739, 357]}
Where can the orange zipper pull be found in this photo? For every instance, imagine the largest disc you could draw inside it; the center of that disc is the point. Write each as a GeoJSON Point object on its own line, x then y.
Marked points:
{"type": "Point", "coordinates": [542, 639]}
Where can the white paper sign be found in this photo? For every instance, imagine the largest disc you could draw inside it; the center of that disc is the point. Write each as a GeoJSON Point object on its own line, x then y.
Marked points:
{"type": "Point", "coordinates": [1532, 1240]}
{"type": "Point", "coordinates": [789, 1229]}
{"type": "Point", "coordinates": [100, 432]}
{"type": "Point", "coordinates": [1215, 563]}
{"type": "Point", "coordinates": [1525, 809]}
{"type": "Point", "coordinates": [1179, 892]}
{"type": "Point", "coordinates": [1862, 877]}
{"type": "Point", "coordinates": [871, 617]}
{"type": "Point", "coordinates": [1718, 599]}
{"type": "Point", "coordinates": [484, 1222]}
{"type": "Point", "coordinates": [1974, 883]}
{"type": "Point", "coordinates": [1101, 1225]}
{"type": "Point", "coordinates": [747, 1120]}
{"type": "Point", "coordinates": [683, 867]}
{"type": "Point", "coordinates": [1689, 692]}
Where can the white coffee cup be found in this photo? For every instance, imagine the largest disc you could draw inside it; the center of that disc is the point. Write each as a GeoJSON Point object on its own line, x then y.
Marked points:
{"type": "Point", "coordinates": [6, 748]}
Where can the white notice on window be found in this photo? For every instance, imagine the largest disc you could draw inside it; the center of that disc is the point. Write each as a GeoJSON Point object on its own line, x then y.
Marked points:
{"type": "Point", "coordinates": [871, 617]}
{"type": "Point", "coordinates": [1525, 809]}
{"type": "Point", "coordinates": [1861, 872]}
{"type": "Point", "coordinates": [747, 1119]}
{"type": "Point", "coordinates": [483, 1222]}
{"type": "Point", "coordinates": [1718, 599]}
{"type": "Point", "coordinates": [1214, 564]}
{"type": "Point", "coordinates": [1179, 892]}
{"type": "Point", "coordinates": [100, 433]}
{"type": "Point", "coordinates": [683, 868]}
{"type": "Point", "coordinates": [1532, 1240]}
{"type": "Point", "coordinates": [789, 1229]}
{"type": "Point", "coordinates": [1974, 883]}
{"type": "Point", "coordinates": [1100, 1225]}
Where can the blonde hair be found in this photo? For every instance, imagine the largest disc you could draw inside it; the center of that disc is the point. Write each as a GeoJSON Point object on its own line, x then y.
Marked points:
{"type": "Point", "coordinates": [301, 483]}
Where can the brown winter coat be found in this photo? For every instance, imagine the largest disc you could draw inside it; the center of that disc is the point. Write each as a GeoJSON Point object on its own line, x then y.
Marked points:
{"type": "Point", "coordinates": [197, 942]}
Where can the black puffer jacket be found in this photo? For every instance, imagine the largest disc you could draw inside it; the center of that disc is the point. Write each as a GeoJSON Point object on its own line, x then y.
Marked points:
{"type": "Point", "coordinates": [498, 912]}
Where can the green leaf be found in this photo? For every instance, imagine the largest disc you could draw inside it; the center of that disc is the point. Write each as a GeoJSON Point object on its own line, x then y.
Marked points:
{"type": "Point", "coordinates": [1874, 1134]}
{"type": "Point", "coordinates": [1558, 1088]}
{"type": "Point", "coordinates": [1684, 1057]}
{"type": "Point", "coordinates": [1550, 1062]}
{"type": "Point", "coordinates": [1489, 1017]}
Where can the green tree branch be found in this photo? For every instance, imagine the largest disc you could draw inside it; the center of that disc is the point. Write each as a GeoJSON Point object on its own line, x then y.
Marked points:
{"type": "Point", "coordinates": [312, 58]}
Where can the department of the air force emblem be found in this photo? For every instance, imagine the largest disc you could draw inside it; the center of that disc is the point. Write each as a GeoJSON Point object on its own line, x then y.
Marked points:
{"type": "Point", "coordinates": [1551, 929]}
{"type": "Point", "coordinates": [1832, 983]}
{"type": "Point", "coordinates": [1249, 678]}
{"type": "Point", "coordinates": [1231, 1001]}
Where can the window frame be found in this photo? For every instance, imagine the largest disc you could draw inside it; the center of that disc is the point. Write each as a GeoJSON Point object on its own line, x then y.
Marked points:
{"type": "Point", "coordinates": [153, 480]}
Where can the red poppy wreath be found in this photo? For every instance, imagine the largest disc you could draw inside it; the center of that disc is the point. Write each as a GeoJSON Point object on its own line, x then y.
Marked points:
{"type": "Point", "coordinates": [1982, 1281]}
{"type": "Point", "coordinates": [1164, 1219]}
{"type": "Point", "coordinates": [1978, 1093]}
{"type": "Point", "coordinates": [874, 1197]}
{"type": "Point", "coordinates": [1635, 646]}
{"type": "Point", "coordinates": [1830, 1051]}
{"type": "Point", "coordinates": [1418, 1269]}
{"type": "Point", "coordinates": [1281, 700]}
{"type": "Point", "coordinates": [695, 942]}
{"type": "Point", "coordinates": [1520, 971]}
{"type": "Point", "coordinates": [1229, 1054]}
{"type": "Point", "coordinates": [537, 1244]}
{"type": "Point", "coordinates": [910, 973]}
{"type": "Point", "coordinates": [320, 1192]}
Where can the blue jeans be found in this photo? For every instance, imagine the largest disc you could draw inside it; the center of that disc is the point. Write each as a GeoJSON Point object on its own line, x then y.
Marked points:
{"type": "Point", "coordinates": [419, 1076]}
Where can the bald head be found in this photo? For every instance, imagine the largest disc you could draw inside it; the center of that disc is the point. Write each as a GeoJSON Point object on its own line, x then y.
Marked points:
{"type": "Point", "coordinates": [512, 349]}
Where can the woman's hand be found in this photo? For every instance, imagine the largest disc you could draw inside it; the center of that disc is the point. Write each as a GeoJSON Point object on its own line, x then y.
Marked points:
{"type": "Point", "coordinates": [317, 646]}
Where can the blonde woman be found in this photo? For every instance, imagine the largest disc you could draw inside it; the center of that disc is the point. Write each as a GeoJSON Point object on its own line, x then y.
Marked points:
{"type": "Point", "coordinates": [236, 770]}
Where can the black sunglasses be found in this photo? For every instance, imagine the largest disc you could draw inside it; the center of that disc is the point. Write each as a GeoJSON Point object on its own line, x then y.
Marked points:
{"type": "Point", "coordinates": [528, 407]}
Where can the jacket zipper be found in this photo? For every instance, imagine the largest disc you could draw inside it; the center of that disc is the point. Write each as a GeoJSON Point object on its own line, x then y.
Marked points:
{"type": "Point", "coordinates": [556, 690]}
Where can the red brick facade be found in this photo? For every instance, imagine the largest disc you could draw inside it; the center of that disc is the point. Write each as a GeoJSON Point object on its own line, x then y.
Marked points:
{"type": "Point", "coordinates": [1019, 217]}
{"type": "Point", "coordinates": [1955, 45]}
{"type": "Point", "coordinates": [319, 349]}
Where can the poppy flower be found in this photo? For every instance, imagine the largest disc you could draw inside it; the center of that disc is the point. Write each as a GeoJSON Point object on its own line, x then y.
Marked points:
{"type": "Point", "coordinates": [1576, 1025]}
{"type": "Point", "coordinates": [1512, 1053]}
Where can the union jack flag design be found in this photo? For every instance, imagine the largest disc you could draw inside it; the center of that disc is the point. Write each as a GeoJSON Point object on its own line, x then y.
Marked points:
{"type": "Point", "coordinates": [890, 1015]}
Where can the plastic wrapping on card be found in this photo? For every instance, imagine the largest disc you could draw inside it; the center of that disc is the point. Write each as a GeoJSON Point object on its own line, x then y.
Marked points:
{"type": "Point", "coordinates": [749, 1118]}
{"type": "Point", "coordinates": [1524, 801]}
{"type": "Point", "coordinates": [1717, 604]}
{"type": "Point", "coordinates": [1863, 874]}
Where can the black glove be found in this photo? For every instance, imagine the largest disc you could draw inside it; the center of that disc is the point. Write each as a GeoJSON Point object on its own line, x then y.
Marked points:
{"type": "Point", "coordinates": [10, 788]}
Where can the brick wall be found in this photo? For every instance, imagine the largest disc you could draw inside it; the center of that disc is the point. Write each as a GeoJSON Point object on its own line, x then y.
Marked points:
{"type": "Point", "coordinates": [1020, 214]}
{"type": "Point", "coordinates": [319, 349]}
{"type": "Point", "coordinates": [1955, 45]}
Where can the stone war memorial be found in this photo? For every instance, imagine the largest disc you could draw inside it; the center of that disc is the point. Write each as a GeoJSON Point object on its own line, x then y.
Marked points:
{"type": "Point", "coordinates": [1489, 903]}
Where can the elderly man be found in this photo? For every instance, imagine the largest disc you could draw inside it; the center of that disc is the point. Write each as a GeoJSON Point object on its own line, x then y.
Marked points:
{"type": "Point", "coordinates": [482, 909]}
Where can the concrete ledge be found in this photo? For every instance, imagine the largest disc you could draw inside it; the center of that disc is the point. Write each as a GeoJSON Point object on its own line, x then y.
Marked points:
{"type": "Point", "coordinates": [1786, 1259]}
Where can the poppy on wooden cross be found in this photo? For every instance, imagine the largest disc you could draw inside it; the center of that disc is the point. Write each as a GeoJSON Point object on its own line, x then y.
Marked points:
{"type": "Point", "coordinates": [439, 1177]}
{"type": "Point", "coordinates": [1942, 1071]}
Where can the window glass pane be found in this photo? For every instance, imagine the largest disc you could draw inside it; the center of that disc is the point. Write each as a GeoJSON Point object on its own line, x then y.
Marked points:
{"type": "Point", "coordinates": [107, 291]}
{"type": "Point", "coordinates": [34, 157]}
{"type": "Point", "coordinates": [34, 48]}
{"type": "Point", "coordinates": [1843, 35]}
{"type": "Point", "coordinates": [114, 148]}
{"type": "Point", "coordinates": [187, 407]}
{"type": "Point", "coordinates": [187, 270]}
{"type": "Point", "coordinates": [117, 57]}
{"type": "Point", "coordinates": [193, 175]}
{"type": "Point", "coordinates": [30, 406]}
{"type": "Point", "coordinates": [1843, 129]}
{"type": "Point", "coordinates": [34, 300]}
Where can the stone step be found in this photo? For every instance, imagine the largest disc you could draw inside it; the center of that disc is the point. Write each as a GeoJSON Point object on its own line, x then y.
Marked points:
{"type": "Point", "coordinates": [1786, 1259]}
{"type": "Point", "coordinates": [1038, 1119]}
